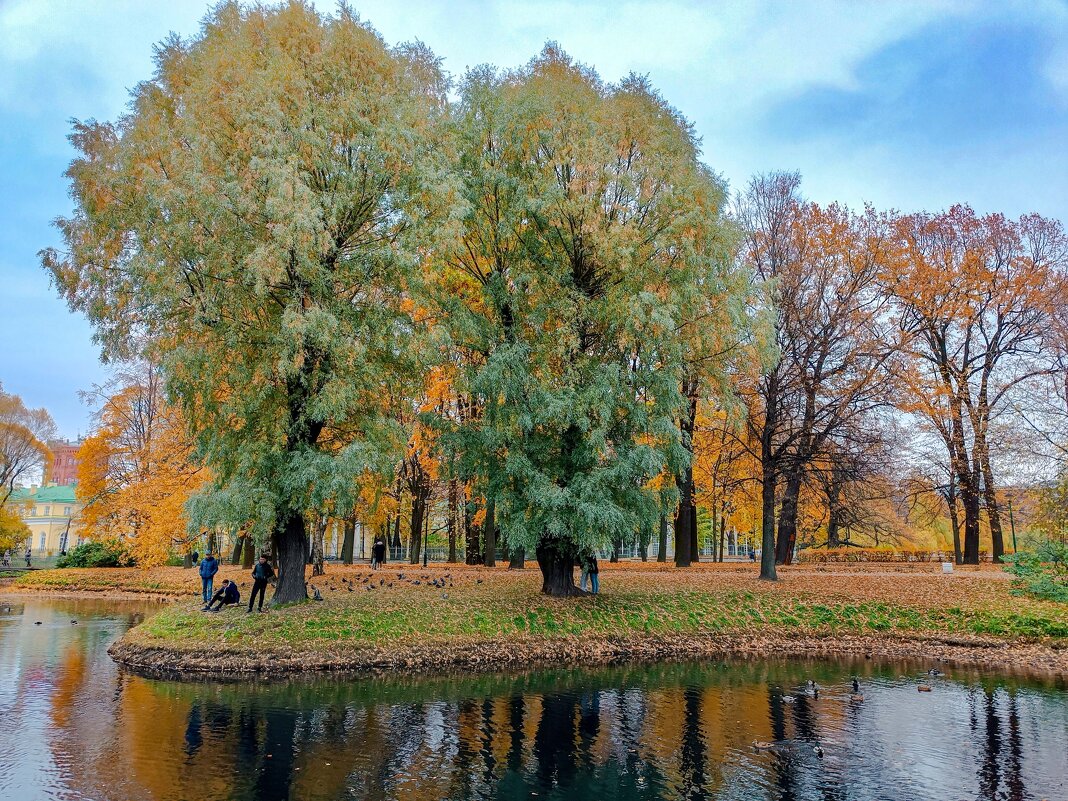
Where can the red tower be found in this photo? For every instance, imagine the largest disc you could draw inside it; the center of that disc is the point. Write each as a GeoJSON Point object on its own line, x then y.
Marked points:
{"type": "Point", "coordinates": [64, 469]}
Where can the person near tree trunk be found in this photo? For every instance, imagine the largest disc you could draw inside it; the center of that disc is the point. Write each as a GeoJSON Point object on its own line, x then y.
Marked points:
{"type": "Point", "coordinates": [262, 573]}
{"type": "Point", "coordinates": [588, 560]}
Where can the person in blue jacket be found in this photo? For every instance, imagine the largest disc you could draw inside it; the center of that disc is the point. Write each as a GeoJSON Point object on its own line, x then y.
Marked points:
{"type": "Point", "coordinates": [208, 568]}
{"type": "Point", "coordinates": [228, 595]}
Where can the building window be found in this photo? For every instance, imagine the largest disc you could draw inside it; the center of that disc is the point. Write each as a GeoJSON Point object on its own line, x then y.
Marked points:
{"type": "Point", "coordinates": [66, 511]}
{"type": "Point", "coordinates": [48, 511]}
{"type": "Point", "coordinates": [42, 545]}
{"type": "Point", "coordinates": [33, 511]}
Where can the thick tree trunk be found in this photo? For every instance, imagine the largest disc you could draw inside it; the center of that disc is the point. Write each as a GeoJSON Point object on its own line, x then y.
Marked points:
{"type": "Point", "coordinates": [349, 543]}
{"type": "Point", "coordinates": [491, 533]}
{"type": "Point", "coordinates": [451, 521]}
{"type": "Point", "coordinates": [415, 529]}
{"type": "Point", "coordinates": [768, 477]}
{"type": "Point", "coordinates": [248, 555]}
{"type": "Point", "coordinates": [767, 525]}
{"type": "Point", "coordinates": [617, 545]}
{"type": "Point", "coordinates": [686, 517]}
{"type": "Point", "coordinates": [695, 544]}
{"type": "Point", "coordinates": [954, 522]}
{"type": "Point", "coordinates": [833, 526]}
{"type": "Point", "coordinates": [291, 550]}
{"type": "Point", "coordinates": [662, 543]}
{"type": "Point", "coordinates": [317, 550]}
{"type": "Point", "coordinates": [643, 544]}
{"type": "Point", "coordinates": [682, 532]}
{"type": "Point", "coordinates": [784, 546]}
{"type": "Point", "coordinates": [239, 544]}
{"type": "Point", "coordinates": [993, 511]}
{"type": "Point", "coordinates": [970, 502]}
{"type": "Point", "coordinates": [518, 558]}
{"type": "Point", "coordinates": [556, 559]}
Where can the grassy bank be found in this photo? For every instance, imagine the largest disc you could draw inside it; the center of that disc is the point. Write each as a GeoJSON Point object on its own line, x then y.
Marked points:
{"type": "Point", "coordinates": [403, 617]}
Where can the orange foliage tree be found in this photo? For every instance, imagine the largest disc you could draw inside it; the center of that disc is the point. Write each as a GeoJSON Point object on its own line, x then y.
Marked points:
{"type": "Point", "coordinates": [136, 473]}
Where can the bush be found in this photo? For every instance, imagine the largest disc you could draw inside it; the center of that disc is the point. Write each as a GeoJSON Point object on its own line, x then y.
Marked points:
{"type": "Point", "coordinates": [882, 554]}
{"type": "Point", "coordinates": [95, 554]}
{"type": "Point", "coordinates": [1042, 572]}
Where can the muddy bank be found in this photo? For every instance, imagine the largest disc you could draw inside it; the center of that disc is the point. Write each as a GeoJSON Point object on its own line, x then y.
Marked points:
{"type": "Point", "coordinates": [973, 651]}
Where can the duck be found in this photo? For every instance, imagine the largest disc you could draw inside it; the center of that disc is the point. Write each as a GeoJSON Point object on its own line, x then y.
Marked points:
{"type": "Point", "coordinates": [923, 688]}
{"type": "Point", "coordinates": [856, 697]}
{"type": "Point", "coordinates": [762, 745]}
{"type": "Point", "coordinates": [812, 690]}
{"type": "Point", "coordinates": [818, 751]}
{"type": "Point", "coordinates": [935, 672]}
{"type": "Point", "coordinates": [788, 699]}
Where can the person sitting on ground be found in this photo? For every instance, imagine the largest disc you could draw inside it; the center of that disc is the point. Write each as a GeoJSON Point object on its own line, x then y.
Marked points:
{"type": "Point", "coordinates": [261, 574]}
{"type": "Point", "coordinates": [228, 595]}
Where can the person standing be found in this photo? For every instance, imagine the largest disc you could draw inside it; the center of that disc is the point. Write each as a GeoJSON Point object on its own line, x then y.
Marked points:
{"type": "Point", "coordinates": [261, 574]}
{"type": "Point", "coordinates": [378, 553]}
{"type": "Point", "coordinates": [29, 556]}
{"type": "Point", "coordinates": [208, 568]}
{"type": "Point", "coordinates": [593, 570]}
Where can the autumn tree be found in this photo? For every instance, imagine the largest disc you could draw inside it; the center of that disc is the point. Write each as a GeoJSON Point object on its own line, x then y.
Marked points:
{"type": "Point", "coordinates": [975, 298]}
{"type": "Point", "coordinates": [137, 471]}
{"type": "Point", "coordinates": [24, 436]}
{"type": "Point", "coordinates": [252, 217]}
{"type": "Point", "coordinates": [591, 228]}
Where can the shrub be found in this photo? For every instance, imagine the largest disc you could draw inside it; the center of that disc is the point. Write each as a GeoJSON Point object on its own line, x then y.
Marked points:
{"type": "Point", "coordinates": [95, 554]}
{"type": "Point", "coordinates": [1042, 572]}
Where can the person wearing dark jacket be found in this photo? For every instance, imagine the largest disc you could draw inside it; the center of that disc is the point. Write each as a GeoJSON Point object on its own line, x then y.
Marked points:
{"type": "Point", "coordinates": [378, 553]}
{"type": "Point", "coordinates": [261, 574]}
{"type": "Point", "coordinates": [228, 595]}
{"type": "Point", "coordinates": [208, 568]}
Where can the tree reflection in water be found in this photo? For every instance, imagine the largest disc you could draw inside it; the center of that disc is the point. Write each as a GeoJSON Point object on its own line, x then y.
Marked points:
{"type": "Point", "coordinates": [641, 732]}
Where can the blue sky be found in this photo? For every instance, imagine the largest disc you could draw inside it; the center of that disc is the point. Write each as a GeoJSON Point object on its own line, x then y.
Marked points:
{"type": "Point", "coordinates": [908, 105]}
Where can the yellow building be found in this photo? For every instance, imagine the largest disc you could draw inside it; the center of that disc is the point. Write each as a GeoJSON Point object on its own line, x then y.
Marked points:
{"type": "Point", "coordinates": [51, 514]}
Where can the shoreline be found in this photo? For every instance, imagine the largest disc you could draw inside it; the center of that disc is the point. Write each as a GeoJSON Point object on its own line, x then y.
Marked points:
{"type": "Point", "coordinates": [482, 619]}
{"type": "Point", "coordinates": [991, 653]}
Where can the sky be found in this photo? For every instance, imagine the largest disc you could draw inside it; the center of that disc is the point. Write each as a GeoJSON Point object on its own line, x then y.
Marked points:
{"type": "Point", "coordinates": [906, 105]}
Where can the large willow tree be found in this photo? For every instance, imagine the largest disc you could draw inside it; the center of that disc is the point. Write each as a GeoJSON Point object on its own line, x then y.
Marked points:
{"type": "Point", "coordinates": [249, 223]}
{"type": "Point", "coordinates": [592, 231]}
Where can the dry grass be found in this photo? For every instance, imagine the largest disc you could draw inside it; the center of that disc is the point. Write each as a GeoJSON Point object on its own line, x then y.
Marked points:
{"type": "Point", "coordinates": [402, 615]}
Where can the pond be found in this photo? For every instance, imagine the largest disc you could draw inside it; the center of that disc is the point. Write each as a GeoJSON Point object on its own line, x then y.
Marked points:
{"type": "Point", "coordinates": [75, 726]}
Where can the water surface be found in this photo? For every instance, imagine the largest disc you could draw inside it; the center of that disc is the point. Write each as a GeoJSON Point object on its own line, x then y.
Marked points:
{"type": "Point", "coordinates": [75, 726]}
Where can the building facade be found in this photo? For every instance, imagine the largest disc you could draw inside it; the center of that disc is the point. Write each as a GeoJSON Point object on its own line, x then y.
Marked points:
{"type": "Point", "coordinates": [64, 467]}
{"type": "Point", "coordinates": [51, 513]}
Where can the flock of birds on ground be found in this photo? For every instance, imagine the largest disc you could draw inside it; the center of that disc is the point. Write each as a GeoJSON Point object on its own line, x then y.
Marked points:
{"type": "Point", "coordinates": [368, 583]}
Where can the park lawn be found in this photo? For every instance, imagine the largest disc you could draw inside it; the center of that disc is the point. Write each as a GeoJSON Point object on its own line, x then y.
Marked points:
{"type": "Point", "coordinates": [483, 606]}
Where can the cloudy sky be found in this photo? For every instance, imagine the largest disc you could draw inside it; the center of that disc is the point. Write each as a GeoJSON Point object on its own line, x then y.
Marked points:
{"type": "Point", "coordinates": [908, 105]}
